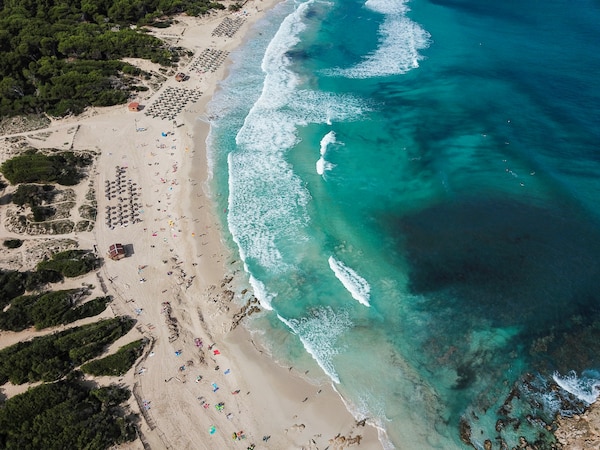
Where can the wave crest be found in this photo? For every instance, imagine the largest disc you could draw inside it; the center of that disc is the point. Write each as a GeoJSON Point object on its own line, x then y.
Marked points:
{"type": "Point", "coordinates": [322, 164]}
{"type": "Point", "coordinates": [400, 40]}
{"type": "Point", "coordinates": [267, 200]}
{"type": "Point", "coordinates": [585, 388]}
{"type": "Point", "coordinates": [319, 333]}
{"type": "Point", "coordinates": [358, 287]}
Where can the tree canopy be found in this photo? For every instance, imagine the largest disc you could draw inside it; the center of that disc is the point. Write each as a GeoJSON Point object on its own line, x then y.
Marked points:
{"type": "Point", "coordinates": [49, 309]}
{"type": "Point", "coordinates": [32, 166]}
{"type": "Point", "coordinates": [50, 357]}
{"type": "Point", "coordinates": [71, 263]}
{"type": "Point", "coordinates": [60, 56]}
{"type": "Point", "coordinates": [63, 415]}
{"type": "Point", "coordinates": [118, 363]}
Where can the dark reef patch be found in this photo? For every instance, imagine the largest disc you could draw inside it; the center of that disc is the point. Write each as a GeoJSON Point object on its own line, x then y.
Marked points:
{"type": "Point", "coordinates": [500, 263]}
{"type": "Point", "coordinates": [503, 260]}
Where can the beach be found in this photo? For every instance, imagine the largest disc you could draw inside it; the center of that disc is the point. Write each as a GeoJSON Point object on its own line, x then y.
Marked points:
{"type": "Point", "coordinates": [340, 225]}
{"type": "Point", "coordinates": [202, 382]}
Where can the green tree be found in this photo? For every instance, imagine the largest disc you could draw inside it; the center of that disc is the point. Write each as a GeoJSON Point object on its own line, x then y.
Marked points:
{"type": "Point", "coordinates": [63, 415]}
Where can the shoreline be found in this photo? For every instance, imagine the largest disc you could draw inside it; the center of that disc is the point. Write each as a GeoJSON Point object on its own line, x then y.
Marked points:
{"type": "Point", "coordinates": [180, 284]}
{"type": "Point", "coordinates": [277, 387]}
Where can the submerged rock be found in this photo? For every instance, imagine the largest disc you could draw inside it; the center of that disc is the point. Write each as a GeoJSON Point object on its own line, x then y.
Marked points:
{"type": "Point", "coordinates": [465, 431]}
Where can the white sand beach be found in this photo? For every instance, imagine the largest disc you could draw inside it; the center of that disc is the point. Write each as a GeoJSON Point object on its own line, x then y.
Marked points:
{"type": "Point", "coordinates": [151, 184]}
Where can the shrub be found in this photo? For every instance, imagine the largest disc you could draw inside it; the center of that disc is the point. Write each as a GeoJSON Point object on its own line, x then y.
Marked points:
{"type": "Point", "coordinates": [34, 167]}
{"type": "Point", "coordinates": [33, 194]}
{"type": "Point", "coordinates": [88, 309]}
{"type": "Point", "coordinates": [48, 358]}
{"type": "Point", "coordinates": [12, 284]}
{"type": "Point", "coordinates": [36, 280]}
{"type": "Point", "coordinates": [117, 364]}
{"type": "Point", "coordinates": [49, 309]}
{"type": "Point", "coordinates": [18, 316]}
{"type": "Point", "coordinates": [41, 213]}
{"type": "Point", "coordinates": [71, 263]}
{"type": "Point", "coordinates": [65, 414]}
{"type": "Point", "coordinates": [12, 243]}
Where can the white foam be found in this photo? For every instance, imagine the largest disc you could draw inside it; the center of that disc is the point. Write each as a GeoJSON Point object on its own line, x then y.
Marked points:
{"type": "Point", "coordinates": [388, 7]}
{"type": "Point", "coordinates": [260, 292]}
{"type": "Point", "coordinates": [328, 139]}
{"type": "Point", "coordinates": [358, 287]}
{"type": "Point", "coordinates": [210, 155]}
{"type": "Point", "coordinates": [319, 333]}
{"type": "Point", "coordinates": [322, 165]}
{"type": "Point", "coordinates": [586, 389]}
{"type": "Point", "coordinates": [400, 40]}
{"type": "Point", "coordinates": [267, 200]}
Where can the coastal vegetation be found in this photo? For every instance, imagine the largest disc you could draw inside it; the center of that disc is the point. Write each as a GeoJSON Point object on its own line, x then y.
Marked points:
{"type": "Point", "coordinates": [49, 358]}
{"type": "Point", "coordinates": [118, 363]}
{"type": "Point", "coordinates": [66, 414]}
{"type": "Point", "coordinates": [71, 263]}
{"type": "Point", "coordinates": [49, 309]}
{"type": "Point", "coordinates": [14, 283]}
{"type": "Point", "coordinates": [61, 56]}
{"type": "Point", "coordinates": [12, 243]}
{"type": "Point", "coordinates": [32, 166]}
{"type": "Point", "coordinates": [33, 195]}
{"type": "Point", "coordinates": [52, 308]}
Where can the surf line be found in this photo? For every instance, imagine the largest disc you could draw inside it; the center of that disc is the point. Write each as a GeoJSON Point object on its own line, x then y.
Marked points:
{"type": "Point", "coordinates": [358, 287]}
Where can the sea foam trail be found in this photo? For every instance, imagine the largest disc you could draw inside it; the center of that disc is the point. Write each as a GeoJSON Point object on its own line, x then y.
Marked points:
{"type": "Point", "coordinates": [322, 164]}
{"type": "Point", "coordinates": [267, 201]}
{"type": "Point", "coordinates": [319, 333]}
{"type": "Point", "coordinates": [260, 291]}
{"type": "Point", "coordinates": [586, 389]}
{"type": "Point", "coordinates": [400, 40]}
{"type": "Point", "coordinates": [358, 287]}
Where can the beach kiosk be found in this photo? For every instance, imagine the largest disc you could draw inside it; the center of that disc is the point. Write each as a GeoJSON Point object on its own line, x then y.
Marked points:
{"type": "Point", "coordinates": [134, 106]}
{"type": "Point", "coordinates": [180, 77]}
{"type": "Point", "coordinates": [116, 252]}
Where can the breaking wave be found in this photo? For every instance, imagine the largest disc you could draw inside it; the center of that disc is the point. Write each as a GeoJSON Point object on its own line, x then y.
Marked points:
{"type": "Point", "coordinates": [358, 287]}
{"type": "Point", "coordinates": [319, 333]}
{"type": "Point", "coordinates": [400, 40]}
{"type": "Point", "coordinates": [322, 164]}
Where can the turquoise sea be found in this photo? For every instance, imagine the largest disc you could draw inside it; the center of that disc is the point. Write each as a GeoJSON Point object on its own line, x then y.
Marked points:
{"type": "Point", "coordinates": [414, 190]}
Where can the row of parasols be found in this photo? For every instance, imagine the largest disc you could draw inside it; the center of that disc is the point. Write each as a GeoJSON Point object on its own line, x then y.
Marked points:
{"type": "Point", "coordinates": [228, 27]}
{"type": "Point", "coordinates": [209, 59]}
{"type": "Point", "coordinates": [171, 101]}
{"type": "Point", "coordinates": [126, 192]}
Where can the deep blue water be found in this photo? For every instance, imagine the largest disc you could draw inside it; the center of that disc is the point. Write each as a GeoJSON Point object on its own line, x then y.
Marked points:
{"type": "Point", "coordinates": [413, 189]}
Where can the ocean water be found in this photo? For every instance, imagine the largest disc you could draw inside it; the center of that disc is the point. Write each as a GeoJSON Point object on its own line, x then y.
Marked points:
{"type": "Point", "coordinates": [413, 189]}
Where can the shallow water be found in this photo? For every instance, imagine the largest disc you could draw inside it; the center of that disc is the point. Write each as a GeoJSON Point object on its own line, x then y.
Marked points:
{"type": "Point", "coordinates": [412, 189]}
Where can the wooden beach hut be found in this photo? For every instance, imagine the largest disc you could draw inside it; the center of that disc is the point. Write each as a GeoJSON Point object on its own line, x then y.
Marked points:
{"type": "Point", "coordinates": [116, 252]}
{"type": "Point", "coordinates": [134, 106]}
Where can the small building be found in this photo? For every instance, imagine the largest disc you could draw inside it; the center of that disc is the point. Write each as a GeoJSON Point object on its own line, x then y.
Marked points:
{"type": "Point", "coordinates": [116, 252]}
{"type": "Point", "coordinates": [180, 77]}
{"type": "Point", "coordinates": [134, 106]}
